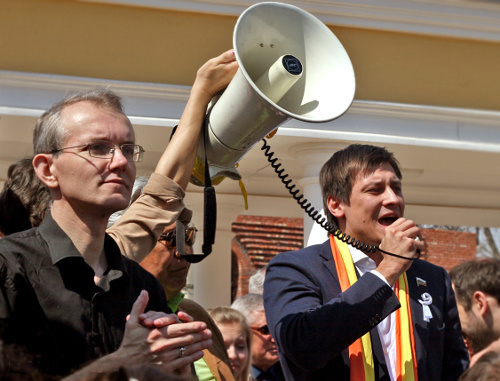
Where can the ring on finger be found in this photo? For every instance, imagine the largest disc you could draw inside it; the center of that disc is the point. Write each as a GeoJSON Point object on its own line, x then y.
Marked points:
{"type": "Point", "coordinates": [182, 351]}
{"type": "Point", "coordinates": [154, 358]}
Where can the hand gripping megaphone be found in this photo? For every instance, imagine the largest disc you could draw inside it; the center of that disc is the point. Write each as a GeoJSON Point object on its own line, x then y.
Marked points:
{"type": "Point", "coordinates": [290, 66]}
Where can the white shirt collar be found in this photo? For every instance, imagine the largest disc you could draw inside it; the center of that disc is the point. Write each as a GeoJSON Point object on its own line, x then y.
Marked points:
{"type": "Point", "coordinates": [362, 261]}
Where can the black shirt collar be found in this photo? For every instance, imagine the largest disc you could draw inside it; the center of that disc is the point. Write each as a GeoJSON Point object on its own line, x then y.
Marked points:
{"type": "Point", "coordinates": [61, 247]}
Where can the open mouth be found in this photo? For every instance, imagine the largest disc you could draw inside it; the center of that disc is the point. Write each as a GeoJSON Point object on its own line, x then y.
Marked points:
{"type": "Point", "coordinates": [386, 221]}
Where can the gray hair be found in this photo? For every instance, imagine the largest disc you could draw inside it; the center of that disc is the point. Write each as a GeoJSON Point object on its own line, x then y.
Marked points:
{"type": "Point", "coordinates": [256, 282]}
{"type": "Point", "coordinates": [50, 134]}
{"type": "Point", "coordinates": [248, 304]}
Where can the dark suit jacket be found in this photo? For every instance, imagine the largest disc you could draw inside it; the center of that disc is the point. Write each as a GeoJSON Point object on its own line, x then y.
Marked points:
{"type": "Point", "coordinates": [314, 323]}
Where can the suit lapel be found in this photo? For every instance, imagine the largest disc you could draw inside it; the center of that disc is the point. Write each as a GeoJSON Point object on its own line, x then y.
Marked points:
{"type": "Point", "coordinates": [334, 289]}
{"type": "Point", "coordinates": [420, 331]}
{"type": "Point", "coordinates": [378, 353]}
{"type": "Point", "coordinates": [326, 253]}
{"type": "Point", "coordinates": [419, 325]}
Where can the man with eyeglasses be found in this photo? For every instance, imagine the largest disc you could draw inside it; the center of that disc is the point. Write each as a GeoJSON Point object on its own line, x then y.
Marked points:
{"type": "Point", "coordinates": [171, 269]}
{"type": "Point", "coordinates": [265, 360]}
{"type": "Point", "coordinates": [66, 290]}
{"type": "Point", "coordinates": [165, 263]}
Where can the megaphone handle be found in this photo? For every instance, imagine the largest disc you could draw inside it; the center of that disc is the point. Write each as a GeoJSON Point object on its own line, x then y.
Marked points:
{"type": "Point", "coordinates": [210, 215]}
{"type": "Point", "coordinates": [210, 205]}
{"type": "Point", "coordinates": [210, 218]}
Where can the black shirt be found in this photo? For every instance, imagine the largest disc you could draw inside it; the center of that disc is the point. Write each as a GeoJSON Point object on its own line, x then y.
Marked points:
{"type": "Point", "coordinates": [50, 303]}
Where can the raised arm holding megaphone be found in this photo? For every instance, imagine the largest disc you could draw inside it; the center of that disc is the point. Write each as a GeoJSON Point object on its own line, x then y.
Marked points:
{"type": "Point", "coordinates": [290, 66]}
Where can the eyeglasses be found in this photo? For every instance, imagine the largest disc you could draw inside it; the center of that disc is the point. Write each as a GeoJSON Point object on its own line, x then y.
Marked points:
{"type": "Point", "coordinates": [264, 330]}
{"type": "Point", "coordinates": [169, 239]}
{"type": "Point", "coordinates": [103, 149]}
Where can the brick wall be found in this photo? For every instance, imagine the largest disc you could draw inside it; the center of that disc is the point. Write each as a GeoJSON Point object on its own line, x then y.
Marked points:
{"type": "Point", "coordinates": [448, 248]}
{"type": "Point", "coordinates": [257, 239]}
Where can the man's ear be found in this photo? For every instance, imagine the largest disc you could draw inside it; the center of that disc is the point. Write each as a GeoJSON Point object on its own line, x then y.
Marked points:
{"type": "Point", "coordinates": [42, 163]}
{"type": "Point", "coordinates": [480, 303]}
{"type": "Point", "coordinates": [335, 206]}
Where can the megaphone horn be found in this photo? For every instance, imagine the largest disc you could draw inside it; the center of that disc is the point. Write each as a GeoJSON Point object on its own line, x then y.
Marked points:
{"type": "Point", "coordinates": [290, 66]}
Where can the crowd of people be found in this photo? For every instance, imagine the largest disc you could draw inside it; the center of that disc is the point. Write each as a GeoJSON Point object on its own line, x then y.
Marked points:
{"type": "Point", "coordinates": [91, 279]}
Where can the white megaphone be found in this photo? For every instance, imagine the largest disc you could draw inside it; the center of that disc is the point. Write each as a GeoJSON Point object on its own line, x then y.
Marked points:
{"type": "Point", "coordinates": [290, 66]}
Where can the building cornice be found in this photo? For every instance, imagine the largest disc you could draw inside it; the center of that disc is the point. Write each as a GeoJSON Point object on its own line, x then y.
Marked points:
{"type": "Point", "coordinates": [29, 94]}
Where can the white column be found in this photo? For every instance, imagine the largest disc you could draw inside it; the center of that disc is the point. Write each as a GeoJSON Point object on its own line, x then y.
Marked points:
{"type": "Point", "coordinates": [211, 278]}
{"type": "Point", "coordinates": [313, 156]}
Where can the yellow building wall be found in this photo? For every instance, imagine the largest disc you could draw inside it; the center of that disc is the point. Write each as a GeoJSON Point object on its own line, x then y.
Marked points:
{"type": "Point", "coordinates": [150, 45]}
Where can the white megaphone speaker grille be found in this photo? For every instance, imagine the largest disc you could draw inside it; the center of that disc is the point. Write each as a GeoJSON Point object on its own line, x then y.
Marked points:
{"type": "Point", "coordinates": [290, 66]}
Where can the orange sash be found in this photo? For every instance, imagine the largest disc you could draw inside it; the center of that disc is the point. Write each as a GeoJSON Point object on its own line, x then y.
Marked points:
{"type": "Point", "coordinates": [360, 351]}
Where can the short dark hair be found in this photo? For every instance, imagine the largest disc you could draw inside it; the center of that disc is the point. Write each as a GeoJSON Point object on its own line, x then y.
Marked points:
{"type": "Point", "coordinates": [480, 274]}
{"type": "Point", "coordinates": [340, 171]}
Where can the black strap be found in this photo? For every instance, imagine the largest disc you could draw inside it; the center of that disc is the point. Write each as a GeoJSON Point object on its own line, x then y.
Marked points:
{"type": "Point", "coordinates": [209, 212]}
{"type": "Point", "coordinates": [210, 205]}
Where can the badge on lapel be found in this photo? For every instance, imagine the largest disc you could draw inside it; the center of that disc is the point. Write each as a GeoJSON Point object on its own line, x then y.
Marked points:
{"type": "Point", "coordinates": [421, 282]}
{"type": "Point", "coordinates": [426, 301]}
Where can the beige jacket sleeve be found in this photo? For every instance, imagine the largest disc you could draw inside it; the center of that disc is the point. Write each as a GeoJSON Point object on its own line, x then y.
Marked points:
{"type": "Point", "coordinates": [160, 205]}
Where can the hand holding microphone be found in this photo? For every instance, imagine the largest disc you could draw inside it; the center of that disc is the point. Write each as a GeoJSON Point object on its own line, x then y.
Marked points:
{"type": "Point", "coordinates": [399, 247]}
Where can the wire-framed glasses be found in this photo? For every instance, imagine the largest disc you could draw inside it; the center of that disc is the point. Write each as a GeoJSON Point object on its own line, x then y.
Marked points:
{"type": "Point", "coordinates": [103, 149]}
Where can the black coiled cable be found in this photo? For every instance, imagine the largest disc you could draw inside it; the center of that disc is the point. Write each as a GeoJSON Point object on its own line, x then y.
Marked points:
{"type": "Point", "coordinates": [331, 228]}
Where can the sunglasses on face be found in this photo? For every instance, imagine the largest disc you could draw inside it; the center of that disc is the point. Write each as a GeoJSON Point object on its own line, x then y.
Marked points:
{"type": "Point", "coordinates": [264, 330]}
{"type": "Point", "coordinates": [169, 239]}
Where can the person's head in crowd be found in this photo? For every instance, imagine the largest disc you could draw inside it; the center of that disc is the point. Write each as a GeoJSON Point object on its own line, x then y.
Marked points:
{"type": "Point", "coordinates": [24, 199]}
{"type": "Point", "coordinates": [264, 350]}
{"type": "Point", "coordinates": [256, 282]}
{"type": "Point", "coordinates": [487, 368]}
{"type": "Point", "coordinates": [344, 170]}
{"type": "Point", "coordinates": [237, 338]}
{"type": "Point", "coordinates": [164, 261]}
{"type": "Point", "coordinates": [477, 289]}
{"type": "Point", "coordinates": [87, 122]}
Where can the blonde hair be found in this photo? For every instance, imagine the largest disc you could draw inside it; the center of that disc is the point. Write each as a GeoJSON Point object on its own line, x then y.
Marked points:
{"type": "Point", "coordinates": [228, 315]}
